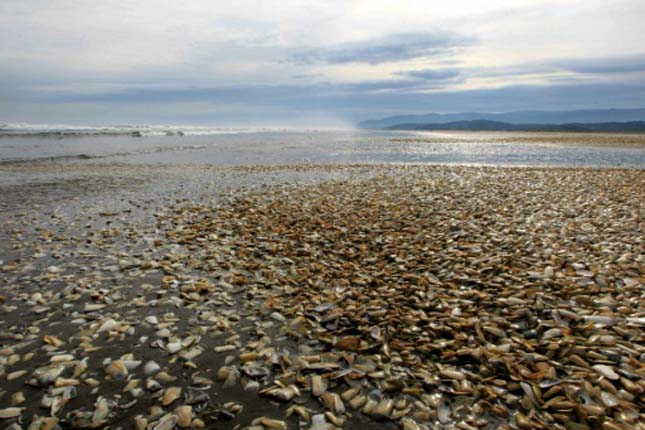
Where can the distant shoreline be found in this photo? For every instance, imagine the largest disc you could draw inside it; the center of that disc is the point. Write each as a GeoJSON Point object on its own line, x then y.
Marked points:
{"type": "Point", "coordinates": [515, 118]}
{"type": "Point", "coordinates": [631, 127]}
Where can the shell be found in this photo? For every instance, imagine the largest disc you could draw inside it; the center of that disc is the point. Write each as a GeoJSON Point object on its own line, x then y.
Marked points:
{"type": "Point", "coordinates": [606, 371]}
{"type": "Point", "coordinates": [184, 415]}
{"type": "Point", "coordinates": [107, 325]}
{"type": "Point", "coordinates": [167, 422]}
{"type": "Point", "coordinates": [318, 385]}
{"type": "Point", "coordinates": [46, 375]}
{"type": "Point", "coordinates": [151, 368]}
{"type": "Point", "coordinates": [17, 398]}
{"type": "Point", "coordinates": [270, 423]}
{"type": "Point", "coordinates": [116, 370]}
{"type": "Point", "coordinates": [170, 395]}
{"type": "Point", "coordinates": [11, 412]}
{"type": "Point", "coordinates": [102, 410]}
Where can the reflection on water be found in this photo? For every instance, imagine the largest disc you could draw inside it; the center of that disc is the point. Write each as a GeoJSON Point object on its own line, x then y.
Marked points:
{"type": "Point", "coordinates": [530, 149]}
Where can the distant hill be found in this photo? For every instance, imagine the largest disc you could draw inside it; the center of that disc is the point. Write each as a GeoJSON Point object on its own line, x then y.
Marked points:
{"type": "Point", "coordinates": [521, 117]}
{"type": "Point", "coordinates": [486, 125]}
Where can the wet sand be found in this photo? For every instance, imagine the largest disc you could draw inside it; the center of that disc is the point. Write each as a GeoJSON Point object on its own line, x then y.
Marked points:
{"type": "Point", "coordinates": [612, 140]}
{"type": "Point", "coordinates": [405, 296]}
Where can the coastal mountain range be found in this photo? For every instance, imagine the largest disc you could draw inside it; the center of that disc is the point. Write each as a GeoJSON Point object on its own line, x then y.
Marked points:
{"type": "Point", "coordinates": [632, 120]}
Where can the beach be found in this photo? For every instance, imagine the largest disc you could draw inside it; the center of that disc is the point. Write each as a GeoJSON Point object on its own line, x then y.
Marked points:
{"type": "Point", "coordinates": [376, 288]}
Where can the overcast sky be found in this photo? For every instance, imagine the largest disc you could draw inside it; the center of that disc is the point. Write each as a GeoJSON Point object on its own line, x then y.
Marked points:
{"type": "Point", "coordinates": [313, 62]}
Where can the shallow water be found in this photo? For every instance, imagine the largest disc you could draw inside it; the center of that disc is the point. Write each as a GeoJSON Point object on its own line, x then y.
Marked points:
{"type": "Point", "coordinates": [285, 147]}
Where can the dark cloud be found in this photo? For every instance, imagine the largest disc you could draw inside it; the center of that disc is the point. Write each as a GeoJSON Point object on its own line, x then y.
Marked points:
{"type": "Point", "coordinates": [393, 47]}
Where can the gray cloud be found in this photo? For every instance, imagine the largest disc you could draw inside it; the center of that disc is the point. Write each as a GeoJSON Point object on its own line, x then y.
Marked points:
{"type": "Point", "coordinates": [383, 85]}
{"type": "Point", "coordinates": [264, 95]}
{"type": "Point", "coordinates": [389, 48]}
{"type": "Point", "coordinates": [284, 105]}
{"type": "Point", "coordinates": [451, 75]}
{"type": "Point", "coordinates": [603, 65]}
{"type": "Point", "coordinates": [305, 75]}
{"type": "Point", "coordinates": [353, 102]}
{"type": "Point", "coordinates": [608, 65]}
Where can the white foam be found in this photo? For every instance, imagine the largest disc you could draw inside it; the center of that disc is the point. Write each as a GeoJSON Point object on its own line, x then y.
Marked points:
{"type": "Point", "coordinates": [144, 130]}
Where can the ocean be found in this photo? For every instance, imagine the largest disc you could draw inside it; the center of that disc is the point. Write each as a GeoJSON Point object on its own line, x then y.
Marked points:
{"type": "Point", "coordinates": [232, 147]}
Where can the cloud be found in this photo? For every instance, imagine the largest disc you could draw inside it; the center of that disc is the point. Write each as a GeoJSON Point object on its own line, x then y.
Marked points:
{"type": "Point", "coordinates": [305, 75]}
{"type": "Point", "coordinates": [382, 85]}
{"type": "Point", "coordinates": [604, 65]}
{"type": "Point", "coordinates": [607, 65]}
{"type": "Point", "coordinates": [365, 100]}
{"type": "Point", "coordinates": [295, 95]}
{"type": "Point", "coordinates": [385, 49]}
{"type": "Point", "coordinates": [434, 74]}
{"type": "Point", "coordinates": [284, 105]}
{"type": "Point", "coordinates": [140, 61]}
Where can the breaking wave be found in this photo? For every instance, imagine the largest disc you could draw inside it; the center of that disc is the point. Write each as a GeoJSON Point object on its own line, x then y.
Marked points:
{"type": "Point", "coordinates": [73, 157]}
{"type": "Point", "coordinates": [59, 130]}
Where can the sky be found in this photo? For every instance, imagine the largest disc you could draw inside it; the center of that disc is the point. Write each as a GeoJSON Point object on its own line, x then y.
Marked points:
{"type": "Point", "coordinates": [313, 63]}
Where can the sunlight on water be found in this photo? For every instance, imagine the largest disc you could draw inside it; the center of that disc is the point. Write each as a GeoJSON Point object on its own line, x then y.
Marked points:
{"type": "Point", "coordinates": [251, 146]}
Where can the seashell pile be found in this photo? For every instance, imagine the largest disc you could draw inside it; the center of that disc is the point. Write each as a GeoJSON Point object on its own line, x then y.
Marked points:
{"type": "Point", "coordinates": [411, 297]}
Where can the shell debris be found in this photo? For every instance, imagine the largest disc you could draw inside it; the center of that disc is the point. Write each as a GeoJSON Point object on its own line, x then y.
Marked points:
{"type": "Point", "coordinates": [412, 296]}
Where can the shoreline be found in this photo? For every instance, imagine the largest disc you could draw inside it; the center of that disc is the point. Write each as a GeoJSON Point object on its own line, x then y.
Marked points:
{"type": "Point", "coordinates": [286, 269]}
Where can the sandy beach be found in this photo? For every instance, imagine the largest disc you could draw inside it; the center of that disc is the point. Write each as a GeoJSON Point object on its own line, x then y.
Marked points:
{"type": "Point", "coordinates": [323, 296]}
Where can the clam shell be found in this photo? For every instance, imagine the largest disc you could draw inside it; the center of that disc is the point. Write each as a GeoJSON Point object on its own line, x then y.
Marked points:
{"type": "Point", "coordinates": [116, 370]}
{"type": "Point", "coordinates": [318, 385]}
{"type": "Point", "coordinates": [170, 395]}
{"type": "Point", "coordinates": [151, 368]}
{"type": "Point", "coordinates": [167, 422]}
{"type": "Point", "coordinates": [11, 412]}
{"type": "Point", "coordinates": [270, 423]}
{"type": "Point", "coordinates": [184, 415]}
{"type": "Point", "coordinates": [606, 371]}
